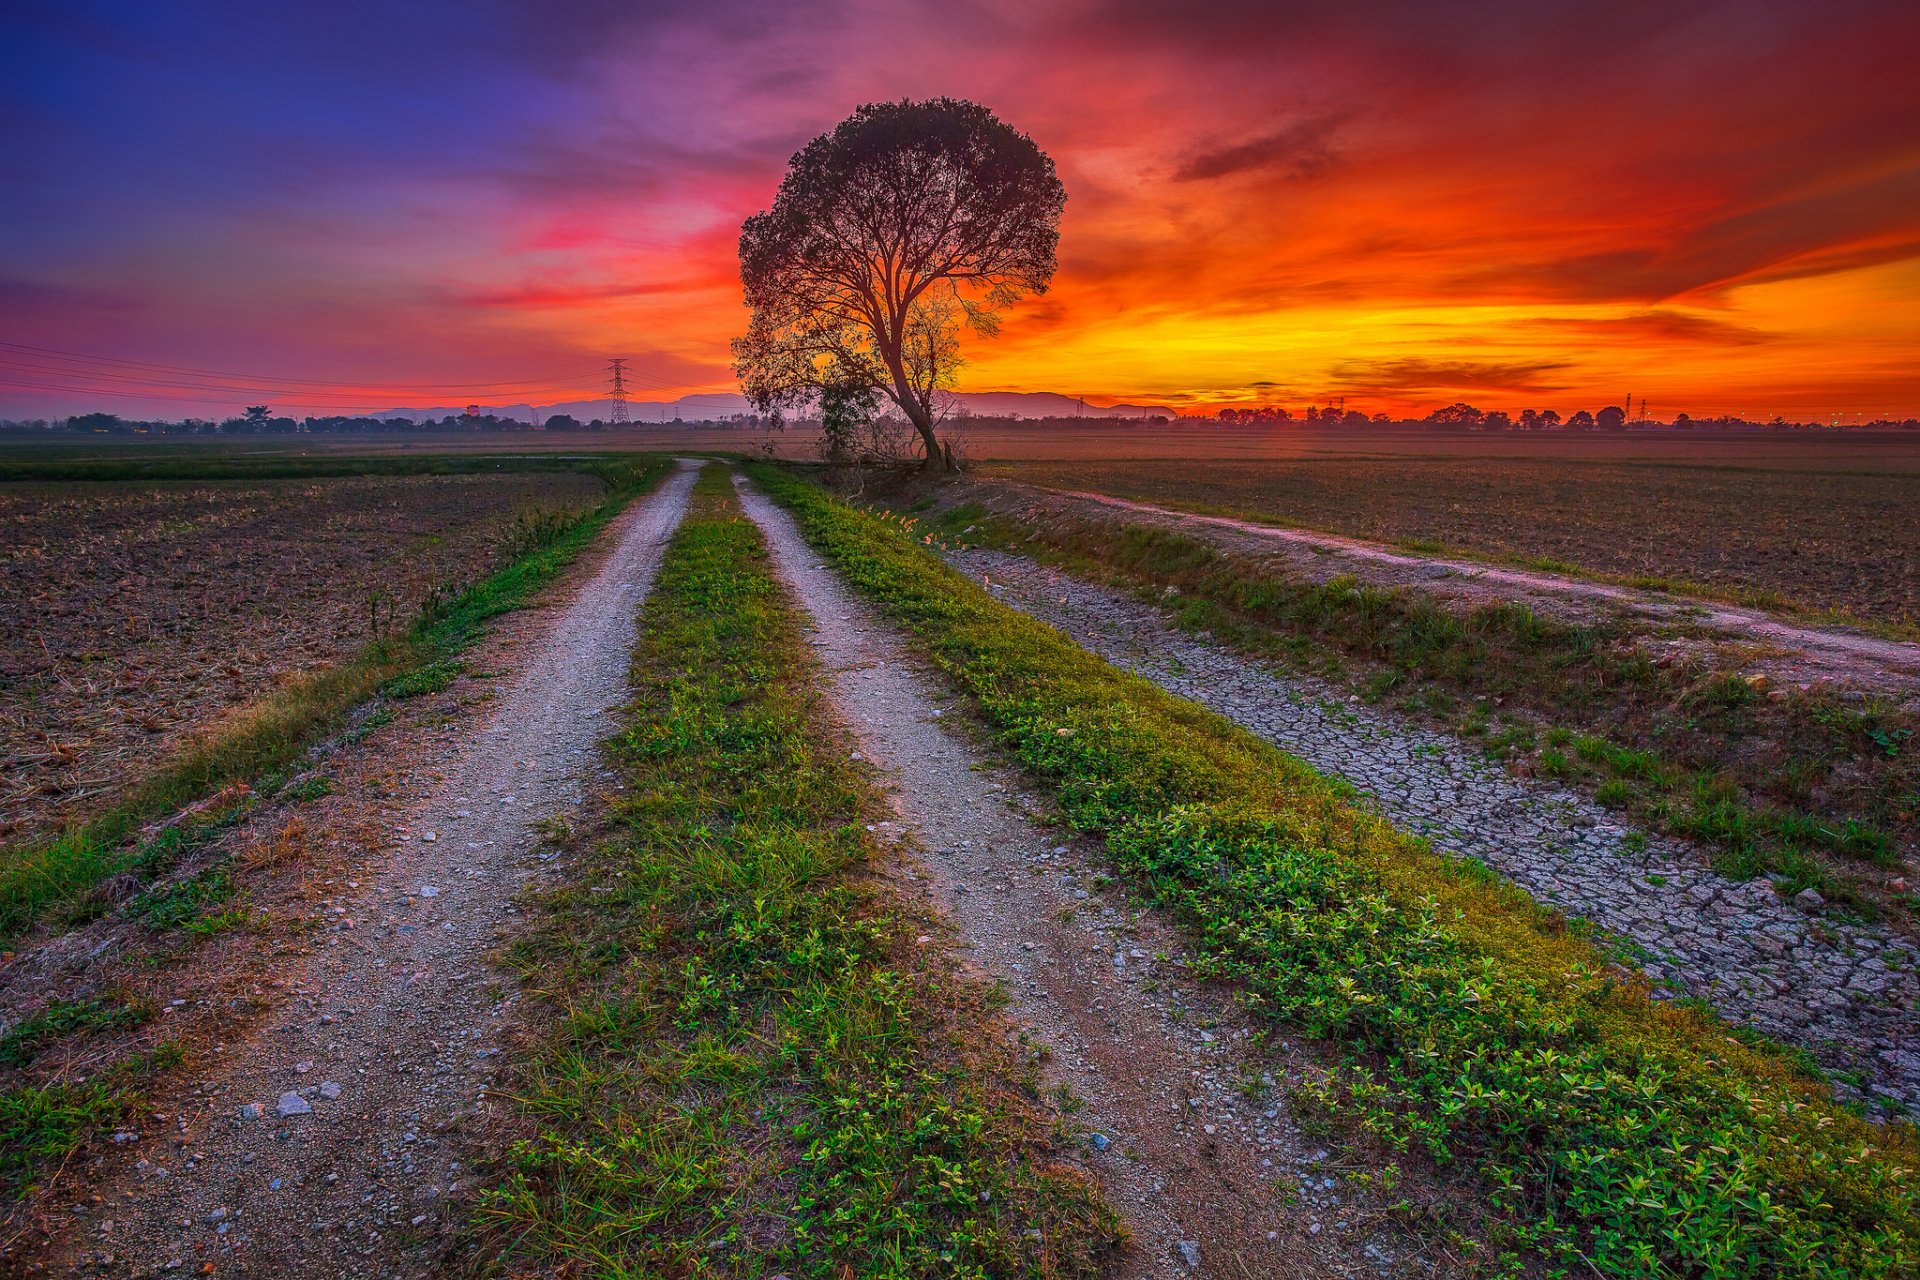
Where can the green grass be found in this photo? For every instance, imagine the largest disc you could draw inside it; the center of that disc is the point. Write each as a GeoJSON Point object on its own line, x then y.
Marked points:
{"type": "Point", "coordinates": [751, 1071]}
{"type": "Point", "coordinates": [42, 1124]}
{"type": "Point", "coordinates": [1619, 1136]}
{"type": "Point", "coordinates": [60, 1018]}
{"type": "Point", "coordinates": [1671, 733]}
{"type": "Point", "coordinates": [52, 876]}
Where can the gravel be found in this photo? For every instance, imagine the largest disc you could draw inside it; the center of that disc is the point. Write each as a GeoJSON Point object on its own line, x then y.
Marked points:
{"type": "Point", "coordinates": [361, 1174]}
{"type": "Point", "coordinates": [1848, 992]}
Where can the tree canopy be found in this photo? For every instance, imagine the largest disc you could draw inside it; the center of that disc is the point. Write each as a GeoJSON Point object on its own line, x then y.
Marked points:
{"type": "Point", "coordinates": [906, 223]}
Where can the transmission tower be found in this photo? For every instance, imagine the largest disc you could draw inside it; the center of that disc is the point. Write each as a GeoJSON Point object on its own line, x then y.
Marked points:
{"type": "Point", "coordinates": [617, 396]}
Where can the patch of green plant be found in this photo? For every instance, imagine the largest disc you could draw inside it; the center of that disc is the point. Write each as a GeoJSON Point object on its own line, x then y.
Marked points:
{"type": "Point", "coordinates": [62, 1018]}
{"type": "Point", "coordinates": [50, 877]}
{"type": "Point", "coordinates": [750, 1072]}
{"type": "Point", "coordinates": [184, 902]}
{"type": "Point", "coordinates": [309, 789]}
{"type": "Point", "coordinates": [1617, 1134]}
{"type": "Point", "coordinates": [431, 678]}
{"type": "Point", "coordinates": [41, 1124]}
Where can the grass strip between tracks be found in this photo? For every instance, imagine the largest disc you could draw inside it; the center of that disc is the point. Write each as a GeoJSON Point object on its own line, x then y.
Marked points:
{"type": "Point", "coordinates": [1619, 1135]}
{"type": "Point", "coordinates": [750, 1072]}
{"type": "Point", "coordinates": [226, 768]}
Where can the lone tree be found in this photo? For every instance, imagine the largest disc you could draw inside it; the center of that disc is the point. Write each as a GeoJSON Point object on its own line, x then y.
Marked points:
{"type": "Point", "coordinates": [906, 222]}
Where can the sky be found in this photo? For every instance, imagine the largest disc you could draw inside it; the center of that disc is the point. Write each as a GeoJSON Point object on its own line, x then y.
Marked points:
{"type": "Point", "coordinates": [352, 205]}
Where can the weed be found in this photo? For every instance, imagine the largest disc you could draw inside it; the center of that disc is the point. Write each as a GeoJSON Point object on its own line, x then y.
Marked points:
{"type": "Point", "coordinates": [431, 678]}
{"type": "Point", "coordinates": [62, 1018]}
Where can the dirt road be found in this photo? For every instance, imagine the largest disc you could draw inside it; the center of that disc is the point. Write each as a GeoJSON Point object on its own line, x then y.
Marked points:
{"type": "Point", "coordinates": [330, 1143]}
{"type": "Point", "coordinates": [1188, 1130]}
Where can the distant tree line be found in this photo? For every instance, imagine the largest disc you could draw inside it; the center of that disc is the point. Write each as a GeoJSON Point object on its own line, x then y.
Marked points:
{"type": "Point", "coordinates": [261, 420]}
{"type": "Point", "coordinates": [1611, 418]}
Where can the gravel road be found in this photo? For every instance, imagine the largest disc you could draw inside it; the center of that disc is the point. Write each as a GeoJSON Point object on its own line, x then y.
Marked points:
{"type": "Point", "coordinates": [1188, 1132]}
{"type": "Point", "coordinates": [1848, 992]}
{"type": "Point", "coordinates": [331, 1143]}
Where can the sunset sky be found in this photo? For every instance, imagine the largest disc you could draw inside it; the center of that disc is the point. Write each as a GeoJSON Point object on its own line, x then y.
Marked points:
{"type": "Point", "coordinates": [358, 205]}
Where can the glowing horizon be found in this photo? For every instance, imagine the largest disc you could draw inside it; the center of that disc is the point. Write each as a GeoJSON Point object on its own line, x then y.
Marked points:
{"type": "Point", "coordinates": [1712, 206]}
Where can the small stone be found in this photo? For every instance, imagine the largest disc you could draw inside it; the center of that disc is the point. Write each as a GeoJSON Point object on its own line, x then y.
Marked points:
{"type": "Point", "coordinates": [429, 836]}
{"type": "Point", "coordinates": [301, 1068]}
{"type": "Point", "coordinates": [252, 1111]}
{"type": "Point", "coordinates": [428, 891]}
{"type": "Point", "coordinates": [292, 1104]}
{"type": "Point", "coordinates": [218, 1215]}
{"type": "Point", "coordinates": [1809, 900]}
{"type": "Point", "coordinates": [329, 1090]}
{"type": "Point", "coordinates": [1189, 1252]}
{"type": "Point", "coordinates": [1100, 1141]}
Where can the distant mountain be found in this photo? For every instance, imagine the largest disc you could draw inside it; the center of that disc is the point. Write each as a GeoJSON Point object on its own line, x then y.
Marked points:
{"type": "Point", "coordinates": [1051, 404]}
{"type": "Point", "coordinates": [721, 404]}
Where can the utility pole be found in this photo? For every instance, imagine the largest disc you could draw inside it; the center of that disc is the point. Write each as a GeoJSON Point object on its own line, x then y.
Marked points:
{"type": "Point", "coordinates": [618, 395]}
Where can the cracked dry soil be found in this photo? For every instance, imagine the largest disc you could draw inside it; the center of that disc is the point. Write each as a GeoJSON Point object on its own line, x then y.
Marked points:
{"type": "Point", "coordinates": [332, 1143]}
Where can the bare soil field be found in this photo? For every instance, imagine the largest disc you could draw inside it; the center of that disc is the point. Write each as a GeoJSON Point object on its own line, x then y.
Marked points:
{"type": "Point", "coordinates": [1820, 538]}
{"type": "Point", "coordinates": [131, 614]}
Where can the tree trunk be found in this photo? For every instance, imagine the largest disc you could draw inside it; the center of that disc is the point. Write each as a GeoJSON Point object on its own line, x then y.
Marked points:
{"type": "Point", "coordinates": [937, 459]}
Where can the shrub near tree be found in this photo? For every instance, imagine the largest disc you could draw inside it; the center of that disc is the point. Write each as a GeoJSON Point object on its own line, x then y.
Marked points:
{"type": "Point", "coordinates": [907, 223]}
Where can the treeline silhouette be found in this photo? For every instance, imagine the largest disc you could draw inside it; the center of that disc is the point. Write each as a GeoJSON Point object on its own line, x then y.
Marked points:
{"type": "Point", "coordinates": [260, 420]}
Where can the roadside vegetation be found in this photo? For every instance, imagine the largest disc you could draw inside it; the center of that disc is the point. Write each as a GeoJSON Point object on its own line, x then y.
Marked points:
{"type": "Point", "coordinates": [1807, 787]}
{"type": "Point", "coordinates": [749, 1069]}
{"type": "Point", "coordinates": [247, 756]}
{"type": "Point", "coordinates": [1619, 1135]}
